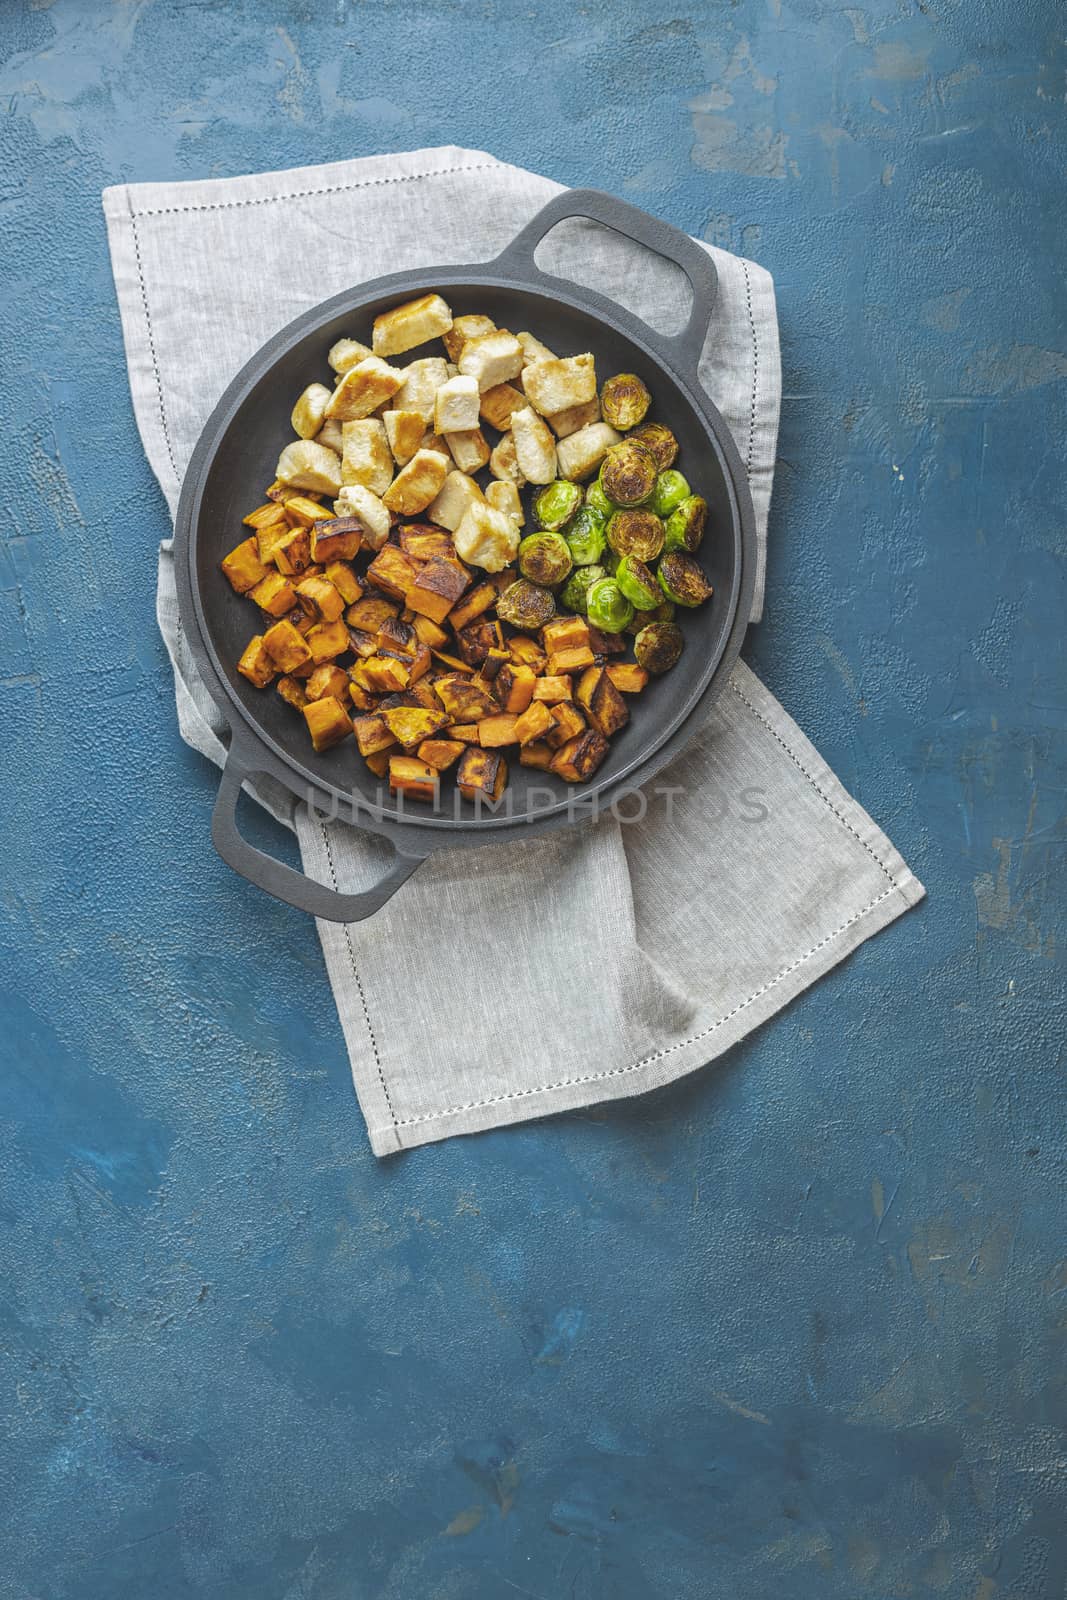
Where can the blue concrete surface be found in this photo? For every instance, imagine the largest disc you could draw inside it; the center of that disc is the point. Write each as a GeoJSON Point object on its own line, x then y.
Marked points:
{"type": "Point", "coordinates": [793, 1330]}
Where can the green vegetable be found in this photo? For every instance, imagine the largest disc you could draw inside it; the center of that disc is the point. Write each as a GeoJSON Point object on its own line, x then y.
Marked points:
{"type": "Point", "coordinates": [685, 525]}
{"type": "Point", "coordinates": [660, 440]}
{"type": "Point", "coordinates": [607, 607]}
{"type": "Point", "coordinates": [658, 646]}
{"type": "Point", "coordinates": [544, 558]}
{"type": "Point", "coordinates": [671, 489]}
{"type": "Point", "coordinates": [597, 500]}
{"type": "Point", "coordinates": [638, 584]}
{"type": "Point", "coordinates": [628, 473]}
{"type": "Point", "coordinates": [525, 605]}
{"type": "Point", "coordinates": [556, 503]}
{"type": "Point", "coordinates": [636, 532]}
{"type": "Point", "coordinates": [585, 538]}
{"type": "Point", "coordinates": [575, 592]}
{"type": "Point", "coordinates": [682, 579]}
{"type": "Point", "coordinates": [624, 400]}
{"type": "Point", "coordinates": [664, 612]}
{"type": "Point", "coordinates": [609, 561]}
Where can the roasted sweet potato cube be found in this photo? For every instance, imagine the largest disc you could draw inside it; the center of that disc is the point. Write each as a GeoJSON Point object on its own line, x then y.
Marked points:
{"type": "Point", "coordinates": [454, 663]}
{"type": "Point", "coordinates": [514, 686]}
{"type": "Point", "coordinates": [570, 660]}
{"type": "Point", "coordinates": [564, 633]}
{"type": "Point", "coordinates": [336, 539]}
{"type": "Point", "coordinates": [286, 647]}
{"type": "Point", "coordinates": [378, 762]}
{"type": "Point", "coordinates": [268, 539]}
{"type": "Point", "coordinates": [431, 635]}
{"type": "Point", "coordinates": [607, 644]}
{"type": "Point", "coordinates": [344, 581]}
{"type": "Point", "coordinates": [628, 677]}
{"type": "Point", "coordinates": [569, 722]}
{"type": "Point", "coordinates": [534, 722]}
{"type": "Point", "coordinates": [372, 734]}
{"type": "Point", "coordinates": [497, 730]}
{"type": "Point", "coordinates": [413, 779]}
{"type": "Point", "coordinates": [465, 732]}
{"type": "Point", "coordinates": [292, 555]}
{"type": "Point", "coordinates": [537, 754]}
{"type": "Point", "coordinates": [393, 572]}
{"type": "Point", "coordinates": [603, 704]}
{"type": "Point", "coordinates": [274, 594]}
{"type": "Point", "coordinates": [421, 662]}
{"type": "Point", "coordinates": [360, 697]}
{"type": "Point", "coordinates": [364, 644]}
{"type": "Point", "coordinates": [422, 540]}
{"type": "Point", "coordinates": [268, 515]}
{"type": "Point", "coordinates": [397, 635]}
{"type": "Point", "coordinates": [291, 690]}
{"type": "Point", "coordinates": [552, 690]}
{"type": "Point", "coordinates": [437, 588]}
{"type": "Point", "coordinates": [472, 605]}
{"type": "Point", "coordinates": [410, 725]}
{"type": "Point", "coordinates": [475, 641]}
{"type": "Point", "coordinates": [328, 679]}
{"type": "Point", "coordinates": [420, 692]}
{"type": "Point", "coordinates": [256, 663]}
{"type": "Point", "coordinates": [381, 674]}
{"type": "Point", "coordinates": [498, 657]}
{"type": "Point", "coordinates": [328, 640]}
{"type": "Point", "coordinates": [328, 722]}
{"type": "Point", "coordinates": [579, 758]}
{"type": "Point", "coordinates": [440, 753]}
{"type": "Point", "coordinates": [319, 599]}
{"type": "Point", "coordinates": [243, 566]}
{"type": "Point", "coordinates": [525, 649]}
{"type": "Point", "coordinates": [482, 774]}
{"type": "Point", "coordinates": [464, 701]}
{"type": "Point", "coordinates": [369, 613]}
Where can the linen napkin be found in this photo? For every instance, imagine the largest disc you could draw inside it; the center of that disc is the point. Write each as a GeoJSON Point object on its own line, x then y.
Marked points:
{"type": "Point", "coordinates": [514, 980]}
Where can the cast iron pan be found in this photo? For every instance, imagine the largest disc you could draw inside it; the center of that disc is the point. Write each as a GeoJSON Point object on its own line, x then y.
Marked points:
{"type": "Point", "coordinates": [235, 458]}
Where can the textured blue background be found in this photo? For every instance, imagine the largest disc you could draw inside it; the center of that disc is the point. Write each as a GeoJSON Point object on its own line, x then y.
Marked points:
{"type": "Point", "coordinates": [793, 1330]}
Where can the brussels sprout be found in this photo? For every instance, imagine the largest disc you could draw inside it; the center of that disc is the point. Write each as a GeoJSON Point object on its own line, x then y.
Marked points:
{"type": "Point", "coordinates": [525, 605]}
{"type": "Point", "coordinates": [638, 584]}
{"type": "Point", "coordinates": [597, 500]}
{"type": "Point", "coordinates": [671, 489]}
{"type": "Point", "coordinates": [607, 607]}
{"type": "Point", "coordinates": [660, 440]}
{"type": "Point", "coordinates": [664, 612]}
{"type": "Point", "coordinates": [544, 558]}
{"type": "Point", "coordinates": [658, 646]}
{"type": "Point", "coordinates": [628, 473]}
{"type": "Point", "coordinates": [585, 538]}
{"type": "Point", "coordinates": [624, 400]}
{"type": "Point", "coordinates": [556, 503]}
{"type": "Point", "coordinates": [636, 533]}
{"type": "Point", "coordinates": [682, 579]}
{"type": "Point", "coordinates": [685, 525]}
{"type": "Point", "coordinates": [575, 592]}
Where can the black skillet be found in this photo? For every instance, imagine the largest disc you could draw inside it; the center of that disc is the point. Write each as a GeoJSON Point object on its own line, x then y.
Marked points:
{"type": "Point", "coordinates": [235, 457]}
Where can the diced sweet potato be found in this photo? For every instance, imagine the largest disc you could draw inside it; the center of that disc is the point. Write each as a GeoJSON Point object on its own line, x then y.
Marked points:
{"type": "Point", "coordinates": [454, 663]}
{"type": "Point", "coordinates": [372, 734]}
{"type": "Point", "coordinates": [628, 677]}
{"type": "Point", "coordinates": [421, 541]}
{"type": "Point", "coordinates": [319, 599]}
{"type": "Point", "coordinates": [291, 690]}
{"type": "Point", "coordinates": [579, 758]}
{"type": "Point", "coordinates": [472, 605]}
{"type": "Point", "coordinates": [328, 679]}
{"type": "Point", "coordinates": [537, 754]}
{"type": "Point", "coordinates": [569, 722]}
{"type": "Point", "coordinates": [564, 633]}
{"type": "Point", "coordinates": [429, 633]}
{"type": "Point", "coordinates": [464, 732]}
{"type": "Point", "coordinates": [268, 539]}
{"type": "Point", "coordinates": [607, 644]}
{"type": "Point", "coordinates": [292, 554]}
{"type": "Point", "coordinates": [328, 640]}
{"type": "Point", "coordinates": [534, 722]}
{"type": "Point", "coordinates": [413, 779]}
{"type": "Point", "coordinates": [410, 725]}
{"type": "Point", "coordinates": [328, 722]}
{"type": "Point", "coordinates": [514, 686]}
{"type": "Point", "coordinates": [378, 762]}
{"type": "Point", "coordinates": [393, 572]}
{"type": "Point", "coordinates": [269, 515]}
{"type": "Point", "coordinates": [420, 692]}
{"type": "Point", "coordinates": [421, 662]}
{"type": "Point", "coordinates": [381, 674]}
{"type": "Point", "coordinates": [437, 588]}
{"type": "Point", "coordinates": [243, 566]}
{"type": "Point", "coordinates": [286, 647]}
{"type": "Point", "coordinates": [477, 639]}
{"type": "Point", "coordinates": [337, 539]}
{"type": "Point", "coordinates": [274, 594]}
{"type": "Point", "coordinates": [528, 651]}
{"type": "Point", "coordinates": [397, 635]}
{"type": "Point", "coordinates": [553, 689]}
{"type": "Point", "coordinates": [256, 663]}
{"type": "Point", "coordinates": [497, 730]}
{"type": "Point", "coordinates": [440, 753]}
{"type": "Point", "coordinates": [344, 581]}
{"type": "Point", "coordinates": [498, 657]}
{"type": "Point", "coordinates": [369, 613]}
{"type": "Point", "coordinates": [572, 660]}
{"type": "Point", "coordinates": [603, 704]}
{"type": "Point", "coordinates": [464, 701]}
{"type": "Point", "coordinates": [301, 511]}
{"type": "Point", "coordinates": [481, 774]}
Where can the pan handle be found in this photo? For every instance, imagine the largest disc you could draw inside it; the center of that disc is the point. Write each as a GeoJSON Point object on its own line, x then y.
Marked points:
{"type": "Point", "coordinates": [283, 882]}
{"type": "Point", "coordinates": [685, 347]}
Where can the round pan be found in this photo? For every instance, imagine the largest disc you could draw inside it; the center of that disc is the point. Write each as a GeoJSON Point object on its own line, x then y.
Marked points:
{"type": "Point", "coordinates": [235, 457]}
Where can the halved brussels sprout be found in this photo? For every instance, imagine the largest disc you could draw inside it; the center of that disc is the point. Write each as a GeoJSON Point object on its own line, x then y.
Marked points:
{"type": "Point", "coordinates": [671, 489]}
{"type": "Point", "coordinates": [682, 579]}
{"type": "Point", "coordinates": [556, 503]}
{"type": "Point", "coordinates": [685, 525]}
{"type": "Point", "coordinates": [525, 605]}
{"type": "Point", "coordinates": [597, 500]}
{"type": "Point", "coordinates": [607, 607]}
{"type": "Point", "coordinates": [575, 592]}
{"type": "Point", "coordinates": [609, 561]}
{"type": "Point", "coordinates": [636, 533]}
{"type": "Point", "coordinates": [624, 400]}
{"type": "Point", "coordinates": [660, 440]}
{"type": "Point", "coordinates": [585, 537]}
{"type": "Point", "coordinates": [664, 612]}
{"type": "Point", "coordinates": [544, 558]}
{"type": "Point", "coordinates": [638, 584]}
{"type": "Point", "coordinates": [658, 646]}
{"type": "Point", "coordinates": [628, 473]}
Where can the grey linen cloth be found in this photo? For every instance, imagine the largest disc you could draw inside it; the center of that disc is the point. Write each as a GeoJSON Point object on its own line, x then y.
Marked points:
{"type": "Point", "coordinates": [518, 979]}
